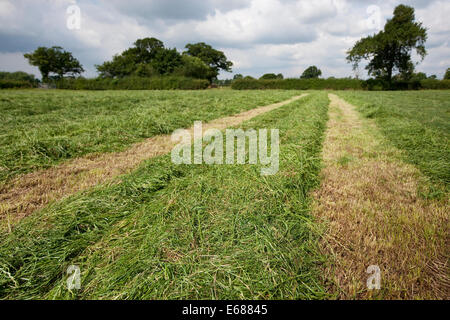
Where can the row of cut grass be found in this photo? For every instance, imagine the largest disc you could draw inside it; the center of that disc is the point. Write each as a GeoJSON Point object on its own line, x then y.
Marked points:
{"type": "Point", "coordinates": [183, 232]}
{"type": "Point", "coordinates": [38, 128]}
{"type": "Point", "coordinates": [415, 122]}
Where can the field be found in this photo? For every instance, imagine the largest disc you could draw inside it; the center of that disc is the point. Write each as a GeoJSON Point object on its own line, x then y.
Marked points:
{"type": "Point", "coordinates": [40, 129]}
{"type": "Point", "coordinates": [363, 180]}
{"type": "Point", "coordinates": [418, 123]}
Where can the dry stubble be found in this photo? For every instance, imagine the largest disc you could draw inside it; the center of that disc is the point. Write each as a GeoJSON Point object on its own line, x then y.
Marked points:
{"type": "Point", "coordinates": [368, 200]}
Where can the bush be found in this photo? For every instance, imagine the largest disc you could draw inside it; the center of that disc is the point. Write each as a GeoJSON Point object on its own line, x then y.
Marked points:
{"type": "Point", "coordinates": [133, 83]}
{"type": "Point", "coordinates": [297, 84]}
{"type": "Point", "coordinates": [193, 67]}
{"type": "Point", "coordinates": [19, 79]}
{"type": "Point", "coordinates": [378, 84]}
{"type": "Point", "coordinates": [18, 76]}
{"type": "Point", "coordinates": [374, 85]}
{"type": "Point", "coordinates": [338, 84]}
{"type": "Point", "coordinates": [15, 84]}
{"type": "Point", "coordinates": [435, 84]}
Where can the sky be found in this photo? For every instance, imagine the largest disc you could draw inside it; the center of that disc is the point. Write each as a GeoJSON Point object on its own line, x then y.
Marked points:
{"type": "Point", "coordinates": [258, 36]}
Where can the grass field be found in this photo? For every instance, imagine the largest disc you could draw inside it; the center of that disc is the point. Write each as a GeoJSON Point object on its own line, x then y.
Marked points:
{"type": "Point", "coordinates": [415, 122]}
{"type": "Point", "coordinates": [41, 128]}
{"type": "Point", "coordinates": [170, 232]}
{"type": "Point", "coordinates": [379, 178]}
{"type": "Point", "coordinates": [372, 203]}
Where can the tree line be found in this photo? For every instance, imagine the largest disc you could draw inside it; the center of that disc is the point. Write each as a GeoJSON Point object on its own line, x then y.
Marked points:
{"type": "Point", "coordinates": [388, 56]}
{"type": "Point", "coordinates": [147, 58]}
{"type": "Point", "coordinates": [311, 72]}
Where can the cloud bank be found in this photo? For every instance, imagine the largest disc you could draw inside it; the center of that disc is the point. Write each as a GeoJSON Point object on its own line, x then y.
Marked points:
{"type": "Point", "coordinates": [259, 36]}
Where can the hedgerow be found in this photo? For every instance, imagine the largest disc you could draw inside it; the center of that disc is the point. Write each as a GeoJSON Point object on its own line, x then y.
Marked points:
{"type": "Point", "coordinates": [297, 84]}
{"type": "Point", "coordinates": [338, 84]}
{"type": "Point", "coordinates": [435, 84]}
{"type": "Point", "coordinates": [15, 84]}
{"type": "Point", "coordinates": [133, 83]}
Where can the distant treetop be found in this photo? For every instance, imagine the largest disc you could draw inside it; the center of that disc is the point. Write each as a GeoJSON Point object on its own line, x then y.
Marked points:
{"type": "Point", "coordinates": [311, 72]}
{"type": "Point", "coordinates": [54, 61]}
{"type": "Point", "coordinates": [390, 49]}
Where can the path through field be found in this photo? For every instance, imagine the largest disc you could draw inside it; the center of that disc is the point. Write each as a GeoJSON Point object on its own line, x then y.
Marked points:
{"type": "Point", "coordinates": [30, 192]}
{"type": "Point", "coordinates": [368, 199]}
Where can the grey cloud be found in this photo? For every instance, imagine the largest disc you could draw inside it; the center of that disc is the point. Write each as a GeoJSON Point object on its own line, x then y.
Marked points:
{"type": "Point", "coordinates": [18, 42]}
{"type": "Point", "coordinates": [174, 10]}
{"type": "Point", "coordinates": [109, 26]}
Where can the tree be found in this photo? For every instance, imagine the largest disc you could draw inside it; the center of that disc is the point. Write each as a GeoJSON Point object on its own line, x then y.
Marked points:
{"type": "Point", "coordinates": [215, 59]}
{"type": "Point", "coordinates": [121, 66]}
{"type": "Point", "coordinates": [238, 76]}
{"type": "Point", "coordinates": [311, 72]}
{"type": "Point", "coordinates": [272, 76]}
{"type": "Point", "coordinates": [54, 60]}
{"type": "Point", "coordinates": [145, 71]}
{"type": "Point", "coordinates": [193, 67]}
{"type": "Point", "coordinates": [166, 61]}
{"type": "Point", "coordinates": [269, 76]}
{"type": "Point", "coordinates": [447, 74]}
{"type": "Point", "coordinates": [148, 57]}
{"type": "Point", "coordinates": [145, 50]}
{"type": "Point", "coordinates": [390, 49]}
{"type": "Point", "coordinates": [419, 76]}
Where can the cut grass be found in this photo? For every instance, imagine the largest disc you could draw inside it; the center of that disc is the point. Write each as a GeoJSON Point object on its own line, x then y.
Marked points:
{"type": "Point", "coordinates": [418, 124]}
{"type": "Point", "coordinates": [179, 232]}
{"type": "Point", "coordinates": [374, 216]}
{"type": "Point", "coordinates": [32, 191]}
{"type": "Point", "coordinates": [42, 128]}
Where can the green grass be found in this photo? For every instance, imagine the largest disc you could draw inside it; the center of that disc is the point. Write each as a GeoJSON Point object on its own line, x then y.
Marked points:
{"type": "Point", "coordinates": [183, 232]}
{"type": "Point", "coordinates": [39, 129]}
{"type": "Point", "coordinates": [416, 122]}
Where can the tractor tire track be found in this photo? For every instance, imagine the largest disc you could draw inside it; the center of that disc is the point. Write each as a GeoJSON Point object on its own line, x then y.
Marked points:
{"type": "Point", "coordinates": [369, 203]}
{"type": "Point", "coordinates": [30, 192]}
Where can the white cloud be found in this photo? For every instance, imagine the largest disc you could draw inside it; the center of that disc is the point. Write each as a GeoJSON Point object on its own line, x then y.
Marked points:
{"type": "Point", "coordinates": [6, 9]}
{"type": "Point", "coordinates": [259, 36]}
{"type": "Point", "coordinates": [266, 21]}
{"type": "Point", "coordinates": [14, 61]}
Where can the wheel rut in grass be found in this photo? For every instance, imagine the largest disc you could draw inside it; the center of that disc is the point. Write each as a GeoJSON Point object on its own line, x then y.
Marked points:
{"type": "Point", "coordinates": [32, 191]}
{"type": "Point", "coordinates": [374, 215]}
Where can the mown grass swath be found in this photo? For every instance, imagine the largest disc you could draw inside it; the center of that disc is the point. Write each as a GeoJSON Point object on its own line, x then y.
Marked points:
{"type": "Point", "coordinates": [191, 231]}
{"type": "Point", "coordinates": [41, 128]}
{"type": "Point", "coordinates": [417, 123]}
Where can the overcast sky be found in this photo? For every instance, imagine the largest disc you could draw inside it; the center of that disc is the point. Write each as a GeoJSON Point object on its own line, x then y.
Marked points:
{"type": "Point", "coordinates": [259, 36]}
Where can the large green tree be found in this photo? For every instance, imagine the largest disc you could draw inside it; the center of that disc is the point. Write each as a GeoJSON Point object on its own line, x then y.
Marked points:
{"type": "Point", "coordinates": [215, 59]}
{"type": "Point", "coordinates": [54, 61]}
{"type": "Point", "coordinates": [311, 72]}
{"type": "Point", "coordinates": [145, 50]}
{"type": "Point", "coordinates": [390, 49]}
{"type": "Point", "coordinates": [148, 57]}
{"type": "Point", "coordinates": [193, 67]}
{"type": "Point", "coordinates": [447, 74]}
